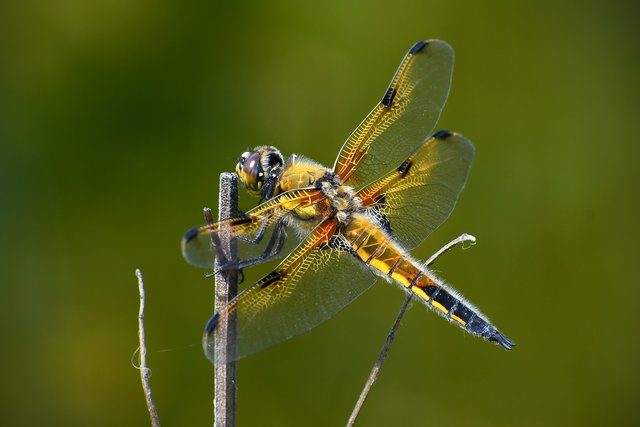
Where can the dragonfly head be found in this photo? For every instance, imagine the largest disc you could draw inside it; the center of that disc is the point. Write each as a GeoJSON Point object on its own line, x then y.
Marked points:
{"type": "Point", "coordinates": [259, 170]}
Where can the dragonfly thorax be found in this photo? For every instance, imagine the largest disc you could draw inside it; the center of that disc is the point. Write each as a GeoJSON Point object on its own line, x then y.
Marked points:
{"type": "Point", "coordinates": [342, 198]}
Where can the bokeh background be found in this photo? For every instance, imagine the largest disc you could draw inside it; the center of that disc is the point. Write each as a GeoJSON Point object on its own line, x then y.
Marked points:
{"type": "Point", "coordinates": [116, 117]}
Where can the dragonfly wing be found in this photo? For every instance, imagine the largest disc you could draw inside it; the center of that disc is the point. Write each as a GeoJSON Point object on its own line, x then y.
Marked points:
{"type": "Point", "coordinates": [250, 229]}
{"type": "Point", "coordinates": [404, 117]}
{"type": "Point", "coordinates": [419, 195]}
{"type": "Point", "coordinates": [310, 286]}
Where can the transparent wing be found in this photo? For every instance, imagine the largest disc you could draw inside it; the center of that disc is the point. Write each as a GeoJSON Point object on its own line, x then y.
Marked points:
{"type": "Point", "coordinates": [250, 230]}
{"type": "Point", "coordinates": [310, 286]}
{"type": "Point", "coordinates": [403, 119]}
{"type": "Point", "coordinates": [417, 197]}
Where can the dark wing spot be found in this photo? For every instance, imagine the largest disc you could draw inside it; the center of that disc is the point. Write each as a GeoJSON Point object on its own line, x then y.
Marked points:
{"type": "Point", "coordinates": [242, 220]}
{"type": "Point", "coordinates": [442, 134]}
{"type": "Point", "coordinates": [418, 47]}
{"type": "Point", "coordinates": [405, 167]}
{"type": "Point", "coordinates": [190, 234]}
{"type": "Point", "coordinates": [211, 324]}
{"type": "Point", "coordinates": [387, 99]}
{"type": "Point", "coordinates": [270, 279]}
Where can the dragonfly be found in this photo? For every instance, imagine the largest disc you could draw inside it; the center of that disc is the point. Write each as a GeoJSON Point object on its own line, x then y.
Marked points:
{"type": "Point", "coordinates": [392, 184]}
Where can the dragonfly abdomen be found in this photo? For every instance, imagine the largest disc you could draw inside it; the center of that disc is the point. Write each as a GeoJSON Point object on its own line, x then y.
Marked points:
{"type": "Point", "coordinates": [380, 252]}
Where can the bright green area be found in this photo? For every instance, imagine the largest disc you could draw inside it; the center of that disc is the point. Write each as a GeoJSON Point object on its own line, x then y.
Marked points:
{"type": "Point", "coordinates": [116, 118]}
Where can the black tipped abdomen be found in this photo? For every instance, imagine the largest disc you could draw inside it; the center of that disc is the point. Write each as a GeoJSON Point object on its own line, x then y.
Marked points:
{"type": "Point", "coordinates": [481, 327]}
{"type": "Point", "coordinates": [500, 339]}
{"type": "Point", "coordinates": [455, 309]}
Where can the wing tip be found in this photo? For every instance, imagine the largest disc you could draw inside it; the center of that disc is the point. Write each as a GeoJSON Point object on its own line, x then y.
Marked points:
{"type": "Point", "coordinates": [190, 234]}
{"type": "Point", "coordinates": [207, 342]}
{"type": "Point", "coordinates": [442, 134]}
{"type": "Point", "coordinates": [445, 135]}
{"type": "Point", "coordinates": [211, 324]}
{"type": "Point", "coordinates": [431, 45]}
{"type": "Point", "coordinates": [418, 46]}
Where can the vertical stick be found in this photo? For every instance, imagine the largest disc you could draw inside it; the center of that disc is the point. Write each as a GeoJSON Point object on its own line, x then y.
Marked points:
{"type": "Point", "coordinates": [145, 372]}
{"type": "Point", "coordinates": [226, 289]}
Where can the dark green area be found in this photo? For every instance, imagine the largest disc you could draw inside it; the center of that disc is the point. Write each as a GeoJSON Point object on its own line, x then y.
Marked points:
{"type": "Point", "coordinates": [116, 118]}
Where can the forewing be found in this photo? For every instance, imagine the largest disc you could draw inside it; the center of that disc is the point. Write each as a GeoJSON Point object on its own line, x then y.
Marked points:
{"type": "Point", "coordinates": [199, 249]}
{"type": "Point", "coordinates": [310, 286]}
{"type": "Point", "coordinates": [403, 119]}
{"type": "Point", "coordinates": [420, 194]}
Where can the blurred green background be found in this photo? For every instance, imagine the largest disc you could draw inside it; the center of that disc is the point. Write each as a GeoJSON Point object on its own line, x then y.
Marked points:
{"type": "Point", "coordinates": [116, 117]}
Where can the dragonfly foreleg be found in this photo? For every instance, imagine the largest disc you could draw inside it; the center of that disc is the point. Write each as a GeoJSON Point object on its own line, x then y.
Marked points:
{"type": "Point", "coordinates": [261, 232]}
{"type": "Point", "coordinates": [221, 257]}
{"type": "Point", "coordinates": [272, 249]}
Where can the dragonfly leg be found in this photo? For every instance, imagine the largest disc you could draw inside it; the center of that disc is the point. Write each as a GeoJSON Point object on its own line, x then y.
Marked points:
{"type": "Point", "coordinates": [258, 238]}
{"type": "Point", "coordinates": [272, 249]}
{"type": "Point", "coordinates": [221, 256]}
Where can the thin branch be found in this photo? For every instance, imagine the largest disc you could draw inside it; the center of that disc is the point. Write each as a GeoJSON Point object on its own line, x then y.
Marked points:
{"type": "Point", "coordinates": [226, 289]}
{"type": "Point", "coordinates": [462, 239]}
{"type": "Point", "coordinates": [373, 376]}
{"type": "Point", "coordinates": [145, 372]}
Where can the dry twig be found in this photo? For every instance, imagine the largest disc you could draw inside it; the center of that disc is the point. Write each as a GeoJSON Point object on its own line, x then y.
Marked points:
{"type": "Point", "coordinates": [226, 288]}
{"type": "Point", "coordinates": [145, 372]}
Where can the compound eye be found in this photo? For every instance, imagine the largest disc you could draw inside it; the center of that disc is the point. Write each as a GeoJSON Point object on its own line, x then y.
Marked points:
{"type": "Point", "coordinates": [244, 157]}
{"type": "Point", "coordinates": [249, 170]}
